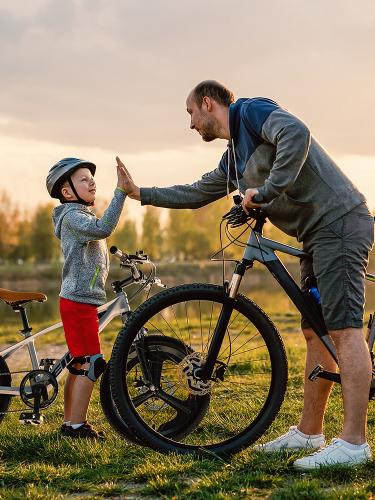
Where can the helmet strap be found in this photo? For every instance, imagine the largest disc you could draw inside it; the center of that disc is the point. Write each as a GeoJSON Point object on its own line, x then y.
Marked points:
{"type": "Point", "coordinates": [79, 199]}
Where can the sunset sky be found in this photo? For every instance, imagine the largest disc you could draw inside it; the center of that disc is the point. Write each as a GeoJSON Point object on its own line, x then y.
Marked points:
{"type": "Point", "coordinates": [100, 78]}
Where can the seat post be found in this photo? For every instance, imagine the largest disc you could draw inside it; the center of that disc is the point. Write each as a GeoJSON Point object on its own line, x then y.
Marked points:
{"type": "Point", "coordinates": [25, 322]}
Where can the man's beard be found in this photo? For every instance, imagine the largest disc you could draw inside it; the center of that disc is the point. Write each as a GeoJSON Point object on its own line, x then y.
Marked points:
{"type": "Point", "coordinates": [209, 130]}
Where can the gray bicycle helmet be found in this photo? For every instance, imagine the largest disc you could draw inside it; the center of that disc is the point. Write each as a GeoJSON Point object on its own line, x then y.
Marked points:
{"type": "Point", "coordinates": [62, 171]}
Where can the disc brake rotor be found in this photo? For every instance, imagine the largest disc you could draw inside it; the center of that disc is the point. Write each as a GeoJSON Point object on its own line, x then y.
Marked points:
{"type": "Point", "coordinates": [186, 374]}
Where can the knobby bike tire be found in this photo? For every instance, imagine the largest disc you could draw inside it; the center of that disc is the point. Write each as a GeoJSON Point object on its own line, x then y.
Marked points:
{"type": "Point", "coordinates": [5, 380]}
{"type": "Point", "coordinates": [251, 363]}
{"type": "Point", "coordinates": [110, 411]}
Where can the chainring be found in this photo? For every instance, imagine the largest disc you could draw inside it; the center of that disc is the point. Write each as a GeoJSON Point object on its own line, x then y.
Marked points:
{"type": "Point", "coordinates": [48, 384]}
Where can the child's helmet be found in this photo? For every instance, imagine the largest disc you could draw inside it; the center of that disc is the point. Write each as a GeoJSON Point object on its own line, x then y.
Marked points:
{"type": "Point", "coordinates": [62, 171]}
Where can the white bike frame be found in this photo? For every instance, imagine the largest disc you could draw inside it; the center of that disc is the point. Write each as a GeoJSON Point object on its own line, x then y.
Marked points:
{"type": "Point", "coordinates": [119, 306]}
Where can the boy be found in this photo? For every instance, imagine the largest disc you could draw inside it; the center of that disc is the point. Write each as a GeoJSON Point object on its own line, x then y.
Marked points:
{"type": "Point", "coordinates": [84, 275]}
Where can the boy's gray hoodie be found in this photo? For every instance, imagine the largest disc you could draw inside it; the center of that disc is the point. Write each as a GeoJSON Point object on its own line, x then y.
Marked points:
{"type": "Point", "coordinates": [84, 248]}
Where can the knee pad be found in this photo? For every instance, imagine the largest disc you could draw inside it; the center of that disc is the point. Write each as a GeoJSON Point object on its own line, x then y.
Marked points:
{"type": "Point", "coordinates": [98, 365]}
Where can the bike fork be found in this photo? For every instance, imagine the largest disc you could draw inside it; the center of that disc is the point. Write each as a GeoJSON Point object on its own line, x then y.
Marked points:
{"type": "Point", "coordinates": [205, 373]}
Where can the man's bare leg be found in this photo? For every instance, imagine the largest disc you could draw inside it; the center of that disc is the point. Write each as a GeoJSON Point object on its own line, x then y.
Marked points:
{"type": "Point", "coordinates": [316, 393]}
{"type": "Point", "coordinates": [356, 372]}
{"type": "Point", "coordinates": [352, 352]}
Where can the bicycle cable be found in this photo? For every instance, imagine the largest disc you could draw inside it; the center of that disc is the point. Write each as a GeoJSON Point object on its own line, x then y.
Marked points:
{"type": "Point", "coordinates": [148, 280]}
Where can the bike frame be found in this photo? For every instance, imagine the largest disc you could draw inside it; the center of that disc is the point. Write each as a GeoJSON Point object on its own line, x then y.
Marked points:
{"type": "Point", "coordinates": [119, 306]}
{"type": "Point", "coordinates": [262, 250]}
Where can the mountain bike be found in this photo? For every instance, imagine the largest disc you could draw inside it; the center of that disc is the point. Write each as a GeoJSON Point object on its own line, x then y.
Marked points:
{"type": "Point", "coordinates": [229, 353]}
{"type": "Point", "coordinates": [39, 387]}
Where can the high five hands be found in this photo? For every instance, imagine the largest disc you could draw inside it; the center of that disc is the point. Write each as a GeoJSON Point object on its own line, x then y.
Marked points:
{"type": "Point", "coordinates": [125, 181]}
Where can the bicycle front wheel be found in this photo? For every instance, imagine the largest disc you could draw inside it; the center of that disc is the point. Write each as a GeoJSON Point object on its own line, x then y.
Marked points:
{"type": "Point", "coordinates": [249, 378]}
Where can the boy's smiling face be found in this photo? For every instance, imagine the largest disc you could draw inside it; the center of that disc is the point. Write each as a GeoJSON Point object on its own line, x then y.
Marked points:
{"type": "Point", "coordinates": [84, 184]}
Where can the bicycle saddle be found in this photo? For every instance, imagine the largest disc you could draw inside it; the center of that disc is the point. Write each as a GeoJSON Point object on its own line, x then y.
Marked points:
{"type": "Point", "coordinates": [15, 299]}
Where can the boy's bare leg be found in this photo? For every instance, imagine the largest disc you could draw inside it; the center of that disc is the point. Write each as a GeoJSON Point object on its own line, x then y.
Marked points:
{"type": "Point", "coordinates": [316, 393]}
{"type": "Point", "coordinates": [68, 391]}
{"type": "Point", "coordinates": [81, 396]}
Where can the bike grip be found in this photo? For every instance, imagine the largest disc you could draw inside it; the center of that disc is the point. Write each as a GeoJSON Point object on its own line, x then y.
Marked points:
{"type": "Point", "coordinates": [118, 253]}
{"type": "Point", "coordinates": [258, 198]}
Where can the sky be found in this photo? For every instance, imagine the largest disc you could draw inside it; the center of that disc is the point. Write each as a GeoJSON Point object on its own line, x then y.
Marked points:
{"type": "Point", "coordinates": [100, 78]}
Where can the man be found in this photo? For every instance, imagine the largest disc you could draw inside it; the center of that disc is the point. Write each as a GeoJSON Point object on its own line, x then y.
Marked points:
{"type": "Point", "coordinates": [306, 195]}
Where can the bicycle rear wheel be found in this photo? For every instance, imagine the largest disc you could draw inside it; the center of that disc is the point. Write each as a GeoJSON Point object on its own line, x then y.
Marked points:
{"type": "Point", "coordinates": [251, 372]}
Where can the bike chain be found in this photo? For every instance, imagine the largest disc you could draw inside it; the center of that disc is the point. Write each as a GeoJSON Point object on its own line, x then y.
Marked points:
{"type": "Point", "coordinates": [14, 373]}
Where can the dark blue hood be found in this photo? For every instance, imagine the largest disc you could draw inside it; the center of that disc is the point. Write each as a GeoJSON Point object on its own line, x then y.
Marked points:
{"type": "Point", "coordinates": [246, 119]}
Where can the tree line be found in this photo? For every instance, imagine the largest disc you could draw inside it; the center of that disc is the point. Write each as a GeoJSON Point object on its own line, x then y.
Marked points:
{"type": "Point", "coordinates": [185, 235]}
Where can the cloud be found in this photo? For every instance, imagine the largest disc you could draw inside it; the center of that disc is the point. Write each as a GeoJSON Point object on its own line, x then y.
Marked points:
{"type": "Point", "coordinates": [115, 74]}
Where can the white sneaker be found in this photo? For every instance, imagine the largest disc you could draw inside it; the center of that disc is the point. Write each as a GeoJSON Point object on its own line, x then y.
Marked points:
{"type": "Point", "coordinates": [292, 440]}
{"type": "Point", "coordinates": [334, 454]}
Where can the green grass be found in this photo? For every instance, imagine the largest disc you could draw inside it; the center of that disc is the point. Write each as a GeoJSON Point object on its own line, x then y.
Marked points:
{"type": "Point", "coordinates": [37, 463]}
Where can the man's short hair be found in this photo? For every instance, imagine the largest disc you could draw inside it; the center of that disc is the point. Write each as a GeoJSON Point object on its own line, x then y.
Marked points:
{"type": "Point", "coordinates": [214, 90]}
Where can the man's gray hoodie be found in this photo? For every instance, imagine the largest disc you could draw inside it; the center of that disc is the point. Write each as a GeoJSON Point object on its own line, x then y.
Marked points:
{"type": "Point", "coordinates": [84, 248]}
{"type": "Point", "coordinates": [271, 150]}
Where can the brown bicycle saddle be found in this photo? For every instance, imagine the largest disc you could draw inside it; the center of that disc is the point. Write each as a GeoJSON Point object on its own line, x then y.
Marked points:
{"type": "Point", "coordinates": [16, 299]}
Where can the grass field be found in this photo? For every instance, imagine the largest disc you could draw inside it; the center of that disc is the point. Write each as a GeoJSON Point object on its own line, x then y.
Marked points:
{"type": "Point", "coordinates": [38, 463]}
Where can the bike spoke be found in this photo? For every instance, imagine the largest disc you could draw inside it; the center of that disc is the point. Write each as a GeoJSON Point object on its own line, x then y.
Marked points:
{"type": "Point", "coordinates": [142, 398]}
{"type": "Point", "coordinates": [173, 402]}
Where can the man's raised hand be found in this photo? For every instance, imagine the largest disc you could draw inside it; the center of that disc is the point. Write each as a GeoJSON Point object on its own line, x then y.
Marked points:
{"type": "Point", "coordinates": [127, 182]}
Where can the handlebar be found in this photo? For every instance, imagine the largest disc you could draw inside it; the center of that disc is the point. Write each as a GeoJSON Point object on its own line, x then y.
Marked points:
{"type": "Point", "coordinates": [137, 275]}
{"type": "Point", "coordinates": [258, 198]}
{"type": "Point", "coordinates": [237, 217]}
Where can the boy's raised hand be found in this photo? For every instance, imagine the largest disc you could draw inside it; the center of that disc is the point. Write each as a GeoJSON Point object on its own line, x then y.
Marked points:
{"type": "Point", "coordinates": [125, 181]}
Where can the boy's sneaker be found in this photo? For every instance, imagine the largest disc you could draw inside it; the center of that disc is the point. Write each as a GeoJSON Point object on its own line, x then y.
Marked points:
{"type": "Point", "coordinates": [293, 441]}
{"type": "Point", "coordinates": [84, 431]}
{"type": "Point", "coordinates": [335, 453]}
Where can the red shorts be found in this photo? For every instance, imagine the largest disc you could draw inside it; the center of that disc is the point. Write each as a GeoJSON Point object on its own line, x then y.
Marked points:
{"type": "Point", "coordinates": [81, 326]}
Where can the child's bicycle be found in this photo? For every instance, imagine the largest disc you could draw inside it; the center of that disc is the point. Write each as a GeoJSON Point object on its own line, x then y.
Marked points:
{"type": "Point", "coordinates": [228, 353]}
{"type": "Point", "coordinates": [39, 387]}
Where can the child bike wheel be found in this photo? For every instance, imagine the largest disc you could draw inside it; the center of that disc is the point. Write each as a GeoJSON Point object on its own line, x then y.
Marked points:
{"type": "Point", "coordinates": [250, 373]}
{"type": "Point", "coordinates": [159, 351]}
{"type": "Point", "coordinates": [5, 380]}
{"type": "Point", "coordinates": [110, 411]}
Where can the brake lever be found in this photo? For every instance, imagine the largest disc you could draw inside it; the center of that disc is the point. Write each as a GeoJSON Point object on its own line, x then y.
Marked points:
{"type": "Point", "coordinates": [237, 217]}
{"type": "Point", "coordinates": [155, 281]}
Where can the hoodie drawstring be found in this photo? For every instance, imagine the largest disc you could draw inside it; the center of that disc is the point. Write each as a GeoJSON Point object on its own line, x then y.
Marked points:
{"type": "Point", "coordinates": [230, 146]}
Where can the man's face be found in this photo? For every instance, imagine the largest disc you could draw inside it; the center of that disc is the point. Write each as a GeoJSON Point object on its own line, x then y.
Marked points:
{"type": "Point", "coordinates": [202, 121]}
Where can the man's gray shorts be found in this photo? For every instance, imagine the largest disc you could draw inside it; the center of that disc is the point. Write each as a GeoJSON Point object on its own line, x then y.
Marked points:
{"type": "Point", "coordinates": [340, 254]}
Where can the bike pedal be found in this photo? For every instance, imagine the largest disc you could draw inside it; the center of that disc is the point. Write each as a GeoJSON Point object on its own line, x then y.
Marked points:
{"type": "Point", "coordinates": [31, 418]}
{"type": "Point", "coordinates": [314, 374]}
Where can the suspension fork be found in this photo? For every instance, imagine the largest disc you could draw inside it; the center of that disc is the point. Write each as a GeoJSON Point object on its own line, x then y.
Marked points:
{"type": "Point", "coordinates": [205, 373]}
